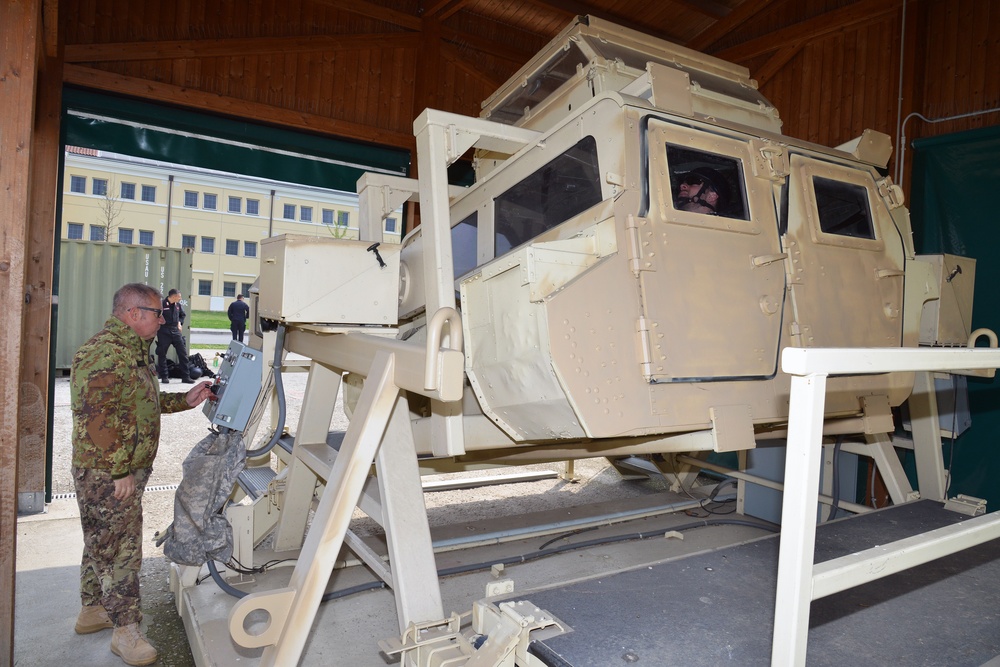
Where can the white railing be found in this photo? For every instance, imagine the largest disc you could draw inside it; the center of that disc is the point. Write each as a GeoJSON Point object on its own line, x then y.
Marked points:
{"type": "Point", "coordinates": [799, 582]}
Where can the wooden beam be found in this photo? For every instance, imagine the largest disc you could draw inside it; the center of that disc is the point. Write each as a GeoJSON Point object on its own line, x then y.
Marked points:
{"type": "Point", "coordinates": [50, 25]}
{"type": "Point", "coordinates": [775, 63]}
{"type": "Point", "coordinates": [487, 46]}
{"type": "Point", "coordinates": [574, 8]}
{"type": "Point", "coordinates": [730, 24]}
{"type": "Point", "coordinates": [20, 46]}
{"type": "Point", "coordinates": [851, 16]}
{"type": "Point", "coordinates": [442, 9]}
{"type": "Point", "coordinates": [39, 264]}
{"type": "Point", "coordinates": [715, 10]}
{"type": "Point", "coordinates": [177, 95]}
{"type": "Point", "coordinates": [454, 56]}
{"type": "Point", "coordinates": [373, 11]}
{"type": "Point", "coordinates": [246, 46]}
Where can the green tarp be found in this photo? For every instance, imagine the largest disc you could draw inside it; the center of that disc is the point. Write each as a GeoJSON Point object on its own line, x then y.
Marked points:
{"type": "Point", "coordinates": [956, 185]}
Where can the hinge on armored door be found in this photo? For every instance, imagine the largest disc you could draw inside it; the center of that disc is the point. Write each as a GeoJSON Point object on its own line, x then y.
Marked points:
{"type": "Point", "coordinates": [769, 160]}
{"type": "Point", "coordinates": [801, 335]}
{"type": "Point", "coordinates": [645, 351]}
{"type": "Point", "coordinates": [891, 193]}
{"type": "Point", "coordinates": [634, 243]}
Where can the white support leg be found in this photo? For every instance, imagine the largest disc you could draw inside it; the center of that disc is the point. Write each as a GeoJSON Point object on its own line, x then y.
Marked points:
{"type": "Point", "coordinates": [404, 517]}
{"type": "Point", "coordinates": [925, 422]}
{"type": "Point", "coordinates": [292, 609]}
{"type": "Point", "coordinates": [880, 448]}
{"type": "Point", "coordinates": [314, 425]}
{"type": "Point", "coordinates": [798, 520]}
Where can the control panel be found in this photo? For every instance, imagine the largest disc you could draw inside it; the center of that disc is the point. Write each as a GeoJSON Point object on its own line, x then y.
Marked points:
{"type": "Point", "coordinates": [236, 386]}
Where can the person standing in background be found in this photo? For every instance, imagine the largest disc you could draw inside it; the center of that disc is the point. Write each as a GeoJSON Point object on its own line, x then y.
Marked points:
{"type": "Point", "coordinates": [239, 313]}
{"type": "Point", "coordinates": [116, 406]}
{"type": "Point", "coordinates": [172, 333]}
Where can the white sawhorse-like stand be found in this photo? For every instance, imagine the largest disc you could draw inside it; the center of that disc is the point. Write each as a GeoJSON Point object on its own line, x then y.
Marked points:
{"type": "Point", "coordinates": [799, 581]}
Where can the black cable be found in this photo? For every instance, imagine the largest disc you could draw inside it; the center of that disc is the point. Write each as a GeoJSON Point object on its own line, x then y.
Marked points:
{"type": "Point", "coordinates": [279, 387]}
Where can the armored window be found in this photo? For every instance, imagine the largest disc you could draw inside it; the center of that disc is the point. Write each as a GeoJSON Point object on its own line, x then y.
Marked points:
{"type": "Point", "coordinates": [566, 186]}
{"type": "Point", "coordinates": [149, 193]}
{"type": "Point", "coordinates": [191, 198]}
{"type": "Point", "coordinates": [390, 226]}
{"type": "Point", "coordinates": [78, 184]}
{"type": "Point", "coordinates": [128, 190]}
{"type": "Point", "coordinates": [74, 230]}
{"type": "Point", "coordinates": [707, 183]}
{"type": "Point", "coordinates": [100, 187]}
{"type": "Point", "coordinates": [211, 201]}
{"type": "Point", "coordinates": [843, 208]}
{"type": "Point", "coordinates": [125, 236]}
{"type": "Point", "coordinates": [235, 205]}
{"type": "Point", "coordinates": [145, 237]}
{"type": "Point", "coordinates": [327, 216]}
{"type": "Point", "coordinates": [187, 241]}
{"type": "Point", "coordinates": [253, 207]}
{"type": "Point", "coordinates": [463, 244]}
{"type": "Point", "coordinates": [250, 248]}
{"type": "Point", "coordinates": [207, 244]}
{"type": "Point", "coordinates": [289, 212]}
{"type": "Point", "coordinates": [97, 232]}
{"type": "Point", "coordinates": [228, 289]}
{"type": "Point", "coordinates": [204, 288]}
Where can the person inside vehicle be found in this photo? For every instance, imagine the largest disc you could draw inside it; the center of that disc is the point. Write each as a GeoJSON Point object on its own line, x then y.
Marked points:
{"type": "Point", "coordinates": [702, 190]}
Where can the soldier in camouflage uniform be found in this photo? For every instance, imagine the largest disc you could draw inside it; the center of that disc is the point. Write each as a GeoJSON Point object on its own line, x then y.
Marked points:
{"type": "Point", "coordinates": [116, 406]}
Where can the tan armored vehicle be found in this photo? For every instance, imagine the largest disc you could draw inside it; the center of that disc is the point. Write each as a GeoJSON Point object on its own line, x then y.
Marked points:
{"type": "Point", "coordinates": [640, 245]}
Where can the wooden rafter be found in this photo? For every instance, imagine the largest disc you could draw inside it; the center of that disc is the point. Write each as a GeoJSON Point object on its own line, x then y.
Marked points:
{"type": "Point", "coordinates": [373, 11]}
{"type": "Point", "coordinates": [455, 57]}
{"type": "Point", "coordinates": [776, 62]}
{"type": "Point", "coordinates": [203, 101]}
{"type": "Point", "coordinates": [579, 8]}
{"type": "Point", "coordinates": [743, 13]}
{"type": "Point", "coordinates": [860, 13]}
{"type": "Point", "coordinates": [715, 10]}
{"type": "Point", "coordinates": [488, 46]}
{"type": "Point", "coordinates": [250, 46]}
{"type": "Point", "coordinates": [442, 9]}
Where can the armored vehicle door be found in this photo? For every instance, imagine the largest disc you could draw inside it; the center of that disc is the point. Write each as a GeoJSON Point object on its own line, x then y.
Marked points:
{"type": "Point", "coordinates": [708, 260]}
{"type": "Point", "coordinates": [846, 278]}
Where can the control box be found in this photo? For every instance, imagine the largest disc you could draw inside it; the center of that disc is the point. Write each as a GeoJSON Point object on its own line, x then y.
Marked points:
{"type": "Point", "coordinates": [237, 385]}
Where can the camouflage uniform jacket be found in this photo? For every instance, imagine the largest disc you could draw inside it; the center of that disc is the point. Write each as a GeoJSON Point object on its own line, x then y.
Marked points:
{"type": "Point", "coordinates": [116, 402]}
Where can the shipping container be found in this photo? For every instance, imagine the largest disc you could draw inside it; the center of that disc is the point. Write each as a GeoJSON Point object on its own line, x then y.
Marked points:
{"type": "Point", "coordinates": [91, 272]}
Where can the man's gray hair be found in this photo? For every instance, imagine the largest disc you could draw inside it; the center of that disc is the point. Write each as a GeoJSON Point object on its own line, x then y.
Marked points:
{"type": "Point", "coordinates": [132, 295]}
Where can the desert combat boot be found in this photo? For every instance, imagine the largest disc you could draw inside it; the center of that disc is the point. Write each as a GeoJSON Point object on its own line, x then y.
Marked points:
{"type": "Point", "coordinates": [92, 618]}
{"type": "Point", "coordinates": [128, 644]}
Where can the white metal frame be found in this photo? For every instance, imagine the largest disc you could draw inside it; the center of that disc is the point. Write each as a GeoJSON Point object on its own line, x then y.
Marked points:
{"type": "Point", "coordinates": [799, 582]}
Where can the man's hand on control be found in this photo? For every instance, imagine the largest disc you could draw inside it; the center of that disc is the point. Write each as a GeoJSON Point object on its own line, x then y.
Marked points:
{"type": "Point", "coordinates": [199, 393]}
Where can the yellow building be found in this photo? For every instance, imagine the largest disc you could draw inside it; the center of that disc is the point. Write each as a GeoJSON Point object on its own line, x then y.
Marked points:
{"type": "Point", "coordinates": [220, 217]}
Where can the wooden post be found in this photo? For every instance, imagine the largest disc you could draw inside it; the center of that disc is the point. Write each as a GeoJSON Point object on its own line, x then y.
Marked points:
{"type": "Point", "coordinates": [20, 48]}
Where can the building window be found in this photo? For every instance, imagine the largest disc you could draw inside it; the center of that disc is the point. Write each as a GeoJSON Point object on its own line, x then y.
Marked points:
{"type": "Point", "coordinates": [100, 187]}
{"type": "Point", "coordinates": [187, 241]}
{"type": "Point", "coordinates": [253, 207]}
{"type": "Point", "coordinates": [306, 213]}
{"type": "Point", "coordinates": [327, 216]}
{"type": "Point", "coordinates": [245, 289]}
{"type": "Point", "coordinates": [74, 230]}
{"type": "Point", "coordinates": [149, 193]}
{"type": "Point", "coordinates": [191, 199]}
{"type": "Point", "coordinates": [207, 244]}
{"type": "Point", "coordinates": [342, 218]}
{"type": "Point", "coordinates": [128, 190]}
{"type": "Point", "coordinates": [235, 205]}
{"type": "Point", "coordinates": [211, 201]}
{"type": "Point", "coordinates": [232, 247]}
{"type": "Point", "coordinates": [125, 236]}
{"type": "Point", "coordinates": [97, 233]}
{"type": "Point", "coordinates": [390, 226]}
{"type": "Point", "coordinates": [250, 248]}
{"type": "Point", "coordinates": [78, 184]}
{"type": "Point", "coordinates": [229, 289]}
{"type": "Point", "coordinates": [289, 213]}
{"type": "Point", "coordinates": [145, 238]}
{"type": "Point", "coordinates": [204, 288]}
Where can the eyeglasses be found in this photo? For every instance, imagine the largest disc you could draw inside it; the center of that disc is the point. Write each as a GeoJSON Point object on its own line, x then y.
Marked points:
{"type": "Point", "coordinates": [157, 311]}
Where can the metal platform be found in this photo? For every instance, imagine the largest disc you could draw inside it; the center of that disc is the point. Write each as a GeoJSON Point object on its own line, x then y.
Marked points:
{"type": "Point", "coordinates": [716, 608]}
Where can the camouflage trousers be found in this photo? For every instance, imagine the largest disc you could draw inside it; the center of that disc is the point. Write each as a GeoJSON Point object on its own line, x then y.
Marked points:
{"type": "Point", "coordinates": [112, 543]}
